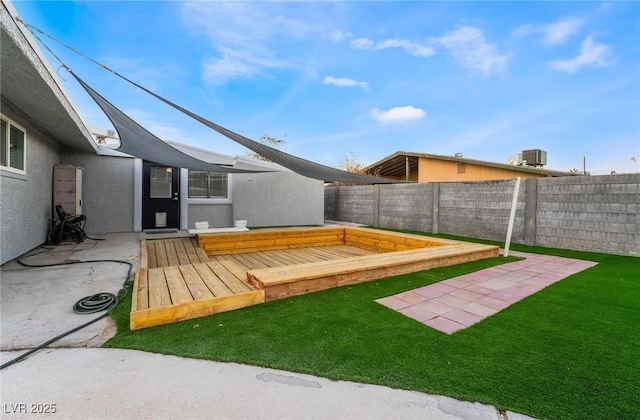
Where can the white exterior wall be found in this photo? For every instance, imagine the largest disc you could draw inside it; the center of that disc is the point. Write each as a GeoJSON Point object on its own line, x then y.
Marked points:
{"type": "Point", "coordinates": [278, 199]}
{"type": "Point", "coordinates": [263, 199]}
{"type": "Point", "coordinates": [108, 191]}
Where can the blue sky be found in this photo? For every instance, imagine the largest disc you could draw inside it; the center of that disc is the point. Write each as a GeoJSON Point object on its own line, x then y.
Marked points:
{"type": "Point", "coordinates": [486, 79]}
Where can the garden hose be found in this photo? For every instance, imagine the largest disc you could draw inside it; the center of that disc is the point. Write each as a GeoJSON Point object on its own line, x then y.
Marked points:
{"type": "Point", "coordinates": [95, 303]}
{"type": "Point", "coordinates": [87, 305]}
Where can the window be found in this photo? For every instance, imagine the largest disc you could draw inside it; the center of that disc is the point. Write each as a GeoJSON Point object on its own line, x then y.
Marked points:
{"type": "Point", "coordinates": [161, 179]}
{"type": "Point", "coordinates": [12, 146]}
{"type": "Point", "coordinates": [208, 185]}
{"type": "Point", "coordinates": [462, 168]}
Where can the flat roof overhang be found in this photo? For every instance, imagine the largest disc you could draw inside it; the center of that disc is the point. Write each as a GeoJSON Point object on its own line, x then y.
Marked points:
{"type": "Point", "coordinates": [30, 91]}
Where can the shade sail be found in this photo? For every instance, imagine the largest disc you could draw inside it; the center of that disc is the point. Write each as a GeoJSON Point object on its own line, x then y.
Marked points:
{"type": "Point", "coordinates": [296, 164]}
{"type": "Point", "coordinates": [137, 141]}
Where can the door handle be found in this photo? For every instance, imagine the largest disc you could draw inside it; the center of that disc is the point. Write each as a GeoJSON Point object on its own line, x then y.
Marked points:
{"type": "Point", "coordinates": [175, 196]}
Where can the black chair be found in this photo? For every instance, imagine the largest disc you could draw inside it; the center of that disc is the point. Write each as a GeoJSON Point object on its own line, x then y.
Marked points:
{"type": "Point", "coordinates": [67, 227]}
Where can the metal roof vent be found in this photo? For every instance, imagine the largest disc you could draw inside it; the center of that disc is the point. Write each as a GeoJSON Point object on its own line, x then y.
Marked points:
{"type": "Point", "coordinates": [458, 155]}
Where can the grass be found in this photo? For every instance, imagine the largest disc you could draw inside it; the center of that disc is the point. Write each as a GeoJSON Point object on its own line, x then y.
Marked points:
{"type": "Point", "coordinates": [571, 350]}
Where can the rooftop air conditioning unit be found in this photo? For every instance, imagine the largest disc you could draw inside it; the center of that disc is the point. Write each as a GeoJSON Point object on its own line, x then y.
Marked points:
{"type": "Point", "coordinates": [534, 157]}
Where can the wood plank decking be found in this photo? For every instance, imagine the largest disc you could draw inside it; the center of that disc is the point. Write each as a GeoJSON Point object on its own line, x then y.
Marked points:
{"type": "Point", "coordinates": [181, 281]}
{"type": "Point", "coordinates": [173, 252]}
{"type": "Point", "coordinates": [185, 278]}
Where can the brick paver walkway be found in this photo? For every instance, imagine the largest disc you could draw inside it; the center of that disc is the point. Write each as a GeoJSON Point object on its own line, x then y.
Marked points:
{"type": "Point", "coordinates": [459, 302]}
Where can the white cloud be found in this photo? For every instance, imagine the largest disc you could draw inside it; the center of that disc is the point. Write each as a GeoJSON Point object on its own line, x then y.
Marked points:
{"type": "Point", "coordinates": [592, 54]}
{"type": "Point", "coordinates": [469, 47]}
{"type": "Point", "coordinates": [554, 33]}
{"type": "Point", "coordinates": [244, 34]}
{"type": "Point", "coordinates": [398, 114]}
{"type": "Point", "coordinates": [339, 81]}
{"type": "Point", "coordinates": [560, 31]}
{"type": "Point", "coordinates": [412, 48]}
{"type": "Point", "coordinates": [339, 36]}
{"type": "Point", "coordinates": [363, 44]}
{"type": "Point", "coordinates": [237, 64]}
{"type": "Point", "coordinates": [219, 69]}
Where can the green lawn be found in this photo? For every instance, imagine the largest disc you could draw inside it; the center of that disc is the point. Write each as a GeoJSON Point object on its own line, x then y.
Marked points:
{"type": "Point", "coordinates": [569, 351]}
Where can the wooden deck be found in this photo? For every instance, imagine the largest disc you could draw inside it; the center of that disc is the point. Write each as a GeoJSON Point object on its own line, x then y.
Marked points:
{"type": "Point", "coordinates": [182, 282]}
{"type": "Point", "coordinates": [173, 252]}
{"type": "Point", "coordinates": [186, 278]}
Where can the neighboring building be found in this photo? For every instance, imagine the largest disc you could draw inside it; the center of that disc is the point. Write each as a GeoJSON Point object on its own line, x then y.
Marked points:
{"type": "Point", "coordinates": [41, 128]}
{"type": "Point", "coordinates": [423, 167]}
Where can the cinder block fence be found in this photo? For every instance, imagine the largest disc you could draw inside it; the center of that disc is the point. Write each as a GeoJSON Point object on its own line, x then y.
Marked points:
{"type": "Point", "coordinates": [588, 213]}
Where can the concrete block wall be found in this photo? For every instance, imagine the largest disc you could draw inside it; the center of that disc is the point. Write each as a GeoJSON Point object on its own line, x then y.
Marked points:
{"type": "Point", "coordinates": [480, 209]}
{"type": "Point", "coordinates": [356, 204]}
{"type": "Point", "coordinates": [405, 206]}
{"type": "Point", "coordinates": [597, 213]}
{"type": "Point", "coordinates": [590, 213]}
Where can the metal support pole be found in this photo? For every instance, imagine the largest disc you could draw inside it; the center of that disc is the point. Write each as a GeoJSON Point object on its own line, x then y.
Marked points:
{"type": "Point", "coordinates": [512, 217]}
{"type": "Point", "coordinates": [407, 168]}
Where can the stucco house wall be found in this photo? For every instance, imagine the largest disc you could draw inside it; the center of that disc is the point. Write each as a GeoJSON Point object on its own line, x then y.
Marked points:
{"type": "Point", "coordinates": [32, 98]}
{"type": "Point", "coordinates": [278, 199]}
{"type": "Point", "coordinates": [108, 191]}
{"type": "Point", "coordinates": [217, 215]}
{"type": "Point", "coordinates": [25, 200]}
{"type": "Point", "coordinates": [263, 199]}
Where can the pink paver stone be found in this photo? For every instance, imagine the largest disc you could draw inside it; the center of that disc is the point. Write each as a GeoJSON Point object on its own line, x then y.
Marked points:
{"type": "Point", "coordinates": [393, 302]}
{"type": "Point", "coordinates": [418, 313]}
{"type": "Point", "coordinates": [457, 303]}
{"type": "Point", "coordinates": [479, 289]}
{"type": "Point", "coordinates": [436, 307]}
{"type": "Point", "coordinates": [495, 284]}
{"type": "Point", "coordinates": [458, 282]}
{"type": "Point", "coordinates": [507, 297]}
{"type": "Point", "coordinates": [466, 294]}
{"type": "Point", "coordinates": [452, 301]}
{"type": "Point", "coordinates": [412, 297]}
{"type": "Point", "coordinates": [463, 317]}
{"type": "Point", "coordinates": [428, 292]}
{"type": "Point", "coordinates": [478, 275]}
{"type": "Point", "coordinates": [443, 287]}
{"type": "Point", "coordinates": [518, 291]}
{"type": "Point", "coordinates": [443, 324]}
{"type": "Point", "coordinates": [493, 302]}
{"type": "Point", "coordinates": [478, 309]}
{"type": "Point", "coordinates": [551, 276]}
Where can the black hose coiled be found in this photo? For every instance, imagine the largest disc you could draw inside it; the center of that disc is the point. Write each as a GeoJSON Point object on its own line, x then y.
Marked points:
{"type": "Point", "coordinates": [95, 303]}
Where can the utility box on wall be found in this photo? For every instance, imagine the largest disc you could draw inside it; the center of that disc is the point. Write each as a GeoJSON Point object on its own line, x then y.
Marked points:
{"type": "Point", "coordinates": [67, 188]}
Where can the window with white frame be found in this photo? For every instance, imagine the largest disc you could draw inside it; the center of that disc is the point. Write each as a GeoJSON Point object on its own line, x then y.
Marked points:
{"type": "Point", "coordinates": [12, 145]}
{"type": "Point", "coordinates": [208, 185]}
